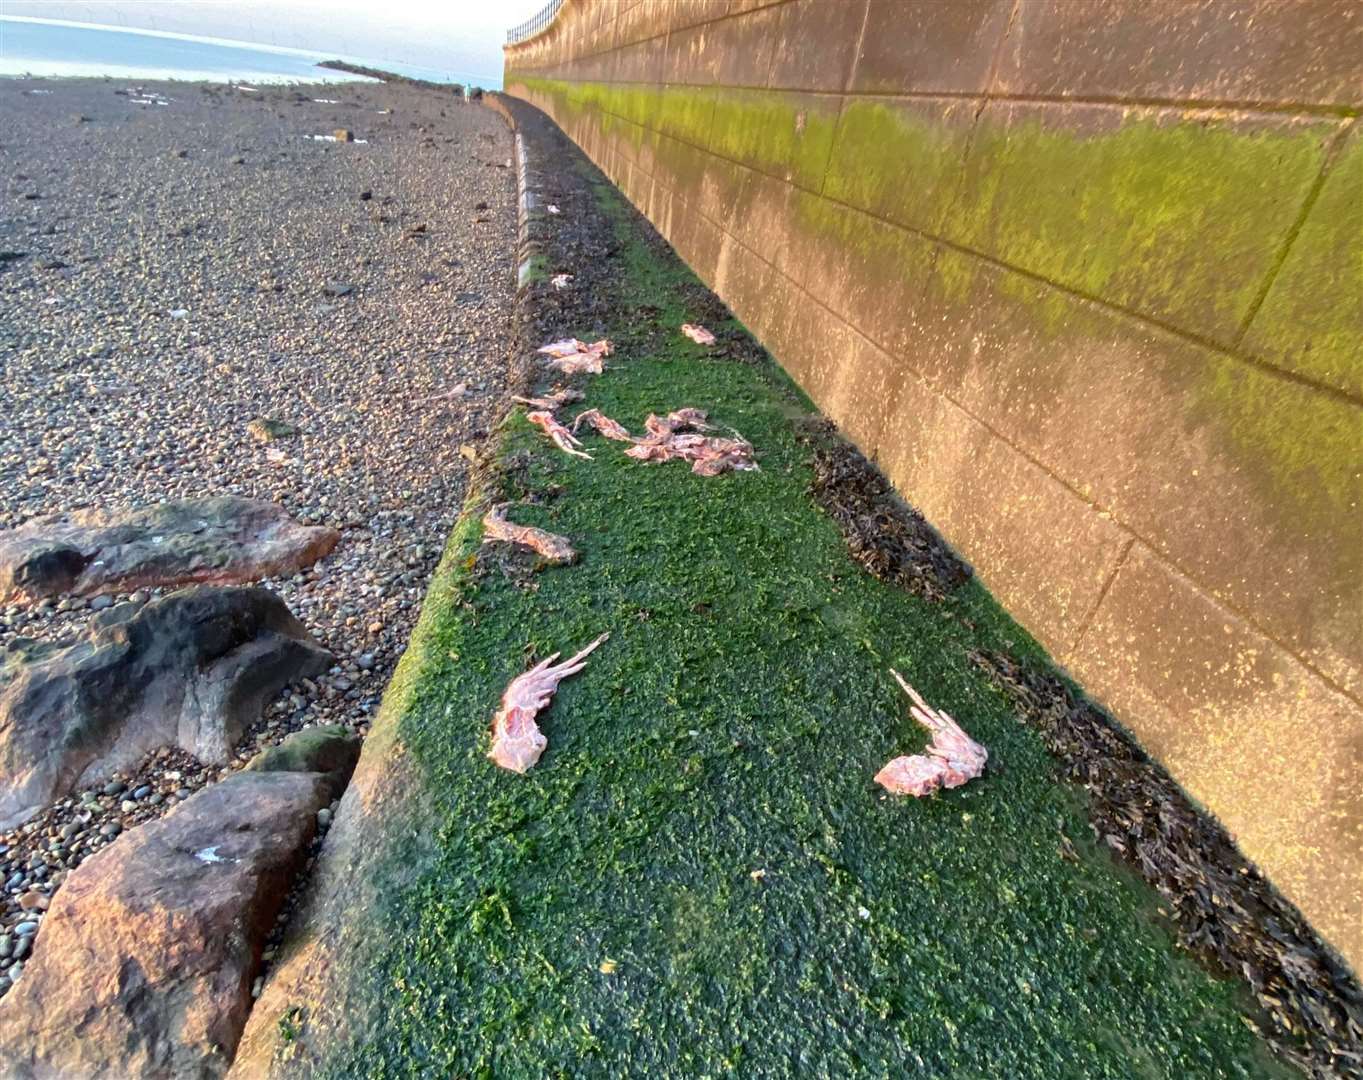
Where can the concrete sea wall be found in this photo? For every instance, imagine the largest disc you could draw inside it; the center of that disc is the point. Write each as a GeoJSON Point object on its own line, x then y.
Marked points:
{"type": "Point", "coordinates": [1086, 279]}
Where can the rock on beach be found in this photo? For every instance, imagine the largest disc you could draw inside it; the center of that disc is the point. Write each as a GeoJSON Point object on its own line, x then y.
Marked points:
{"type": "Point", "coordinates": [218, 540]}
{"type": "Point", "coordinates": [191, 669]}
{"type": "Point", "coordinates": [149, 952]}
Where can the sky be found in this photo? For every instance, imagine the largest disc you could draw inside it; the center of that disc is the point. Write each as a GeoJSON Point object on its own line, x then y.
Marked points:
{"type": "Point", "coordinates": [463, 37]}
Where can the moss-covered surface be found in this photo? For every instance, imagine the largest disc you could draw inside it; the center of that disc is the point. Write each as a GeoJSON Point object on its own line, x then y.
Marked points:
{"type": "Point", "coordinates": [700, 878]}
{"type": "Point", "coordinates": [1312, 318]}
{"type": "Point", "coordinates": [1180, 216]}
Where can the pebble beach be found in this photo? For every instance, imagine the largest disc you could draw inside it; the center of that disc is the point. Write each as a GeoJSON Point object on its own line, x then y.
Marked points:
{"type": "Point", "coordinates": [294, 293]}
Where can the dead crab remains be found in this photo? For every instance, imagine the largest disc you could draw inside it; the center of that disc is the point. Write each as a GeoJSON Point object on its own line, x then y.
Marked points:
{"type": "Point", "coordinates": [951, 759]}
{"type": "Point", "coordinates": [549, 546]}
{"type": "Point", "coordinates": [517, 741]}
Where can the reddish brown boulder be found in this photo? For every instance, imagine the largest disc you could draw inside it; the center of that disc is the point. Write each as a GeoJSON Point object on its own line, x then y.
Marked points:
{"type": "Point", "coordinates": [145, 961]}
{"type": "Point", "coordinates": [215, 541]}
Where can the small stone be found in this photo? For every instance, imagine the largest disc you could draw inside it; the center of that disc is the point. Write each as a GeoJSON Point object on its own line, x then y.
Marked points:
{"type": "Point", "coordinates": [23, 947]}
{"type": "Point", "coordinates": [267, 431]}
{"type": "Point", "coordinates": [337, 288]}
{"type": "Point", "coordinates": [323, 818]}
{"type": "Point", "coordinates": [115, 787]}
{"type": "Point", "coordinates": [111, 829]}
{"type": "Point", "coordinates": [127, 806]}
{"type": "Point", "coordinates": [26, 929]}
{"type": "Point", "coordinates": [6, 945]}
{"type": "Point", "coordinates": [142, 792]}
{"type": "Point", "coordinates": [99, 603]}
{"type": "Point", "coordinates": [365, 662]}
{"type": "Point", "coordinates": [33, 901]}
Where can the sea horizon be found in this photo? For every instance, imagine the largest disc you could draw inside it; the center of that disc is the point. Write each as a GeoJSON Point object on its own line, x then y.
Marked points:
{"type": "Point", "coordinates": [38, 48]}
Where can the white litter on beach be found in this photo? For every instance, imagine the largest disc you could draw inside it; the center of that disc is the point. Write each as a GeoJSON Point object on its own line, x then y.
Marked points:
{"type": "Point", "coordinates": [247, 89]}
{"type": "Point", "coordinates": [332, 138]}
{"type": "Point", "coordinates": [37, 91]}
{"type": "Point", "coordinates": [325, 101]}
{"type": "Point", "coordinates": [560, 281]}
{"type": "Point", "coordinates": [53, 300]}
{"type": "Point", "coordinates": [552, 208]}
{"type": "Point", "coordinates": [179, 312]}
{"type": "Point", "coordinates": [138, 96]}
{"type": "Point", "coordinates": [209, 855]}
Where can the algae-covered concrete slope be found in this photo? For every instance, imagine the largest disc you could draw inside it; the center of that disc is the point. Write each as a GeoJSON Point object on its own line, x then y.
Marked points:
{"type": "Point", "coordinates": [1083, 277]}
{"type": "Point", "coordinates": [700, 877]}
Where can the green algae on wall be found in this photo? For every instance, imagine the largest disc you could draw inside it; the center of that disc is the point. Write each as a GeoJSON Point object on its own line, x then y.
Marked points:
{"type": "Point", "coordinates": [1311, 321]}
{"type": "Point", "coordinates": [901, 160]}
{"type": "Point", "coordinates": [1179, 216]}
{"type": "Point", "coordinates": [774, 132]}
{"type": "Point", "coordinates": [1305, 447]}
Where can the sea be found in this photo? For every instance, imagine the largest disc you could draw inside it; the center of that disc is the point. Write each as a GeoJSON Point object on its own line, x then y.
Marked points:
{"type": "Point", "coordinates": [52, 48]}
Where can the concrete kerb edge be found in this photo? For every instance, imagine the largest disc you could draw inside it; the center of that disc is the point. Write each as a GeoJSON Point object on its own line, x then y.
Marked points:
{"type": "Point", "coordinates": [529, 204]}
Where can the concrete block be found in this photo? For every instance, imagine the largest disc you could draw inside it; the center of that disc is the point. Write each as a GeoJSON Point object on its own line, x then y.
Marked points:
{"type": "Point", "coordinates": [734, 52]}
{"type": "Point", "coordinates": [1204, 50]}
{"type": "Point", "coordinates": [1044, 552]}
{"type": "Point", "coordinates": [684, 112]}
{"type": "Point", "coordinates": [714, 188]}
{"type": "Point", "coordinates": [927, 46]}
{"type": "Point", "coordinates": [815, 44]}
{"type": "Point", "coordinates": [779, 132]}
{"type": "Point", "coordinates": [1250, 482]}
{"type": "Point", "coordinates": [1267, 746]}
{"type": "Point", "coordinates": [747, 284]}
{"type": "Point", "coordinates": [868, 271]}
{"type": "Point", "coordinates": [763, 209]}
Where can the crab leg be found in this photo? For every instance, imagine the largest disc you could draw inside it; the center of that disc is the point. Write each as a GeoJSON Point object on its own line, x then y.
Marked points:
{"type": "Point", "coordinates": [561, 436]}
